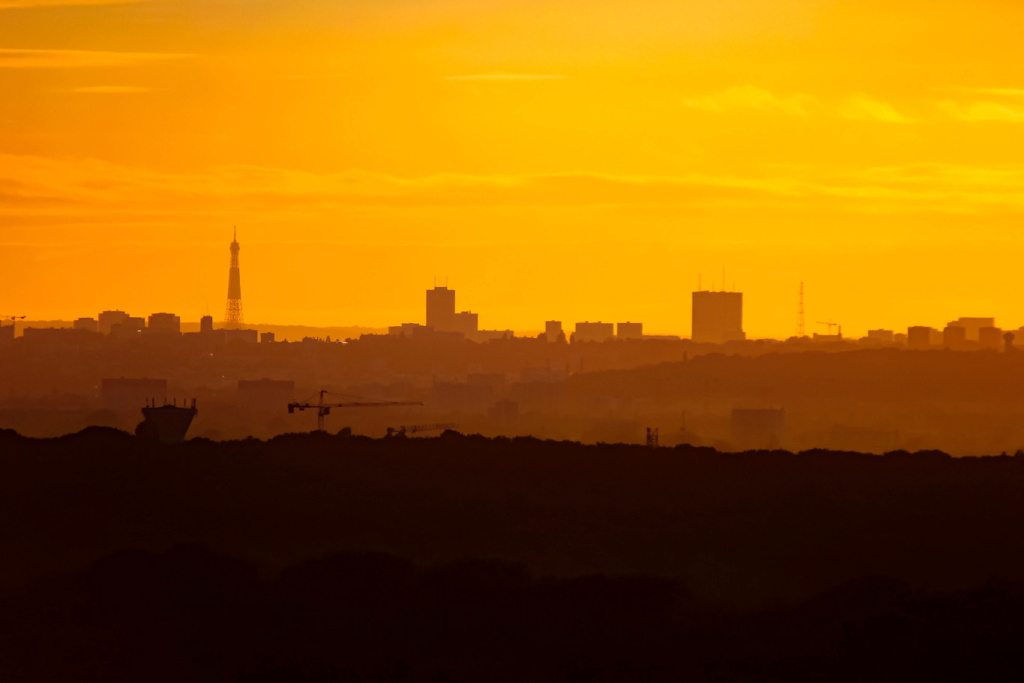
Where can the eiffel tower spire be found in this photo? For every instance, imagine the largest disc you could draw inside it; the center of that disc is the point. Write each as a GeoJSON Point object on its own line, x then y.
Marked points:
{"type": "Point", "coordinates": [233, 314]}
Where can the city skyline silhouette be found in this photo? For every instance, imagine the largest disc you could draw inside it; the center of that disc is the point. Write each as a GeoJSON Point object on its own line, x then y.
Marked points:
{"type": "Point", "coordinates": [580, 340]}
{"type": "Point", "coordinates": [528, 156]}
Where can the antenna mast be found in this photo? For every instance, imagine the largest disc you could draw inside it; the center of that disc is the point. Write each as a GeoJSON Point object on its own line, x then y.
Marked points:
{"type": "Point", "coordinates": [800, 314]}
{"type": "Point", "coordinates": [233, 313]}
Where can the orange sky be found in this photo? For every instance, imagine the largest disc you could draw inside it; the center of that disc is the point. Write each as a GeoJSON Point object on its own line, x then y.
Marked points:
{"type": "Point", "coordinates": [556, 159]}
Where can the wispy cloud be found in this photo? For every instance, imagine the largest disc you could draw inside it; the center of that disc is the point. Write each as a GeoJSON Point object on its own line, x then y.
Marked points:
{"type": "Point", "coordinates": [1005, 104]}
{"type": "Point", "coordinates": [752, 98]}
{"type": "Point", "coordinates": [109, 89]}
{"type": "Point", "coordinates": [19, 4]}
{"type": "Point", "coordinates": [867, 109]}
{"type": "Point", "coordinates": [748, 97]}
{"type": "Point", "coordinates": [997, 92]}
{"type": "Point", "coordinates": [38, 186]}
{"type": "Point", "coordinates": [1000, 104]}
{"type": "Point", "coordinates": [65, 59]}
{"type": "Point", "coordinates": [982, 111]}
{"type": "Point", "coordinates": [506, 77]}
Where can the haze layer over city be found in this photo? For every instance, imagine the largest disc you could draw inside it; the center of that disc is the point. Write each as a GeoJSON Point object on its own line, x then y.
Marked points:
{"type": "Point", "coordinates": [591, 381]}
{"type": "Point", "coordinates": [511, 340]}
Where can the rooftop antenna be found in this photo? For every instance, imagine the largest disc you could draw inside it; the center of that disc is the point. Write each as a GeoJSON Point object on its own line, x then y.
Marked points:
{"type": "Point", "coordinates": [800, 314]}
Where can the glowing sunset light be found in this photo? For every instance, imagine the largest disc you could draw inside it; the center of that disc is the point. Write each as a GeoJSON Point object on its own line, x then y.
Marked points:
{"type": "Point", "coordinates": [559, 159]}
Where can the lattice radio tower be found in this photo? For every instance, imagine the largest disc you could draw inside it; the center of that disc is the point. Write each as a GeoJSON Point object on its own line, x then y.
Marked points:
{"type": "Point", "coordinates": [800, 314]}
{"type": "Point", "coordinates": [233, 313]}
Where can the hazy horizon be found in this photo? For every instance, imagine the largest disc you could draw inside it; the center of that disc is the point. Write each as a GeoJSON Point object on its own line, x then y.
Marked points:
{"type": "Point", "coordinates": [551, 160]}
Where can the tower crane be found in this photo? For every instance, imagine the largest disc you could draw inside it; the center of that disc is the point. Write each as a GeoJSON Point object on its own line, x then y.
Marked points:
{"type": "Point", "coordinates": [13, 319]}
{"type": "Point", "coordinates": [831, 325]}
{"type": "Point", "coordinates": [324, 409]}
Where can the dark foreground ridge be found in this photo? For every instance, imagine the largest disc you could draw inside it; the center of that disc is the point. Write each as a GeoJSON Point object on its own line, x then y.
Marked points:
{"type": "Point", "coordinates": [188, 615]}
{"type": "Point", "coordinates": [321, 557]}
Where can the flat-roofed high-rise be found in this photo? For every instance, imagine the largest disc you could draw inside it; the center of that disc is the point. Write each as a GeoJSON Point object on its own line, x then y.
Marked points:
{"type": "Point", "coordinates": [107, 319]}
{"type": "Point", "coordinates": [441, 309]}
{"type": "Point", "coordinates": [629, 330]}
{"type": "Point", "coordinates": [164, 323]}
{"type": "Point", "coordinates": [717, 317]}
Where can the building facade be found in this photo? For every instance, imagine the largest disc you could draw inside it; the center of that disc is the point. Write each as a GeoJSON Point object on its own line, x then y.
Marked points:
{"type": "Point", "coordinates": [588, 331]}
{"type": "Point", "coordinates": [717, 317]}
{"type": "Point", "coordinates": [629, 330]}
{"type": "Point", "coordinates": [441, 309]}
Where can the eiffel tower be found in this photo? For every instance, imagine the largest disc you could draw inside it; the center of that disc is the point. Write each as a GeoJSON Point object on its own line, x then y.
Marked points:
{"type": "Point", "coordinates": [233, 314]}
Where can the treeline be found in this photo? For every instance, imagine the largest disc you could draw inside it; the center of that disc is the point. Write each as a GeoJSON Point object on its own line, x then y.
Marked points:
{"type": "Point", "coordinates": [187, 614]}
{"type": "Point", "coordinates": [742, 529]}
{"type": "Point", "coordinates": [416, 559]}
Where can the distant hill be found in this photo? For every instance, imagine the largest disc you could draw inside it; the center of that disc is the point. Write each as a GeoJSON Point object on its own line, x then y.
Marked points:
{"type": "Point", "coordinates": [297, 332]}
{"type": "Point", "coordinates": [281, 332]}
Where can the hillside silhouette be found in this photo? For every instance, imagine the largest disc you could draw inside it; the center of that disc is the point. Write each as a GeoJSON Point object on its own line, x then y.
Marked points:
{"type": "Point", "coordinates": [335, 557]}
{"type": "Point", "coordinates": [188, 614]}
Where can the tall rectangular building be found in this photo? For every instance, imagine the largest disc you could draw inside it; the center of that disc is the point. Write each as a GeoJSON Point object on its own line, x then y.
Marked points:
{"type": "Point", "coordinates": [441, 309]}
{"type": "Point", "coordinates": [973, 326]}
{"type": "Point", "coordinates": [990, 338]}
{"type": "Point", "coordinates": [919, 337]}
{"type": "Point", "coordinates": [881, 336]}
{"type": "Point", "coordinates": [466, 322]}
{"type": "Point", "coordinates": [954, 336]}
{"type": "Point", "coordinates": [164, 323]}
{"type": "Point", "coordinates": [588, 331]}
{"type": "Point", "coordinates": [717, 317]}
{"type": "Point", "coordinates": [629, 330]}
{"type": "Point", "coordinates": [107, 319]}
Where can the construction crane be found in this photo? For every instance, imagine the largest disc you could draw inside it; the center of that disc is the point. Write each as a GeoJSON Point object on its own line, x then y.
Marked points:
{"type": "Point", "coordinates": [830, 326]}
{"type": "Point", "coordinates": [412, 429]}
{"type": "Point", "coordinates": [324, 409]}
{"type": "Point", "coordinates": [12, 318]}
